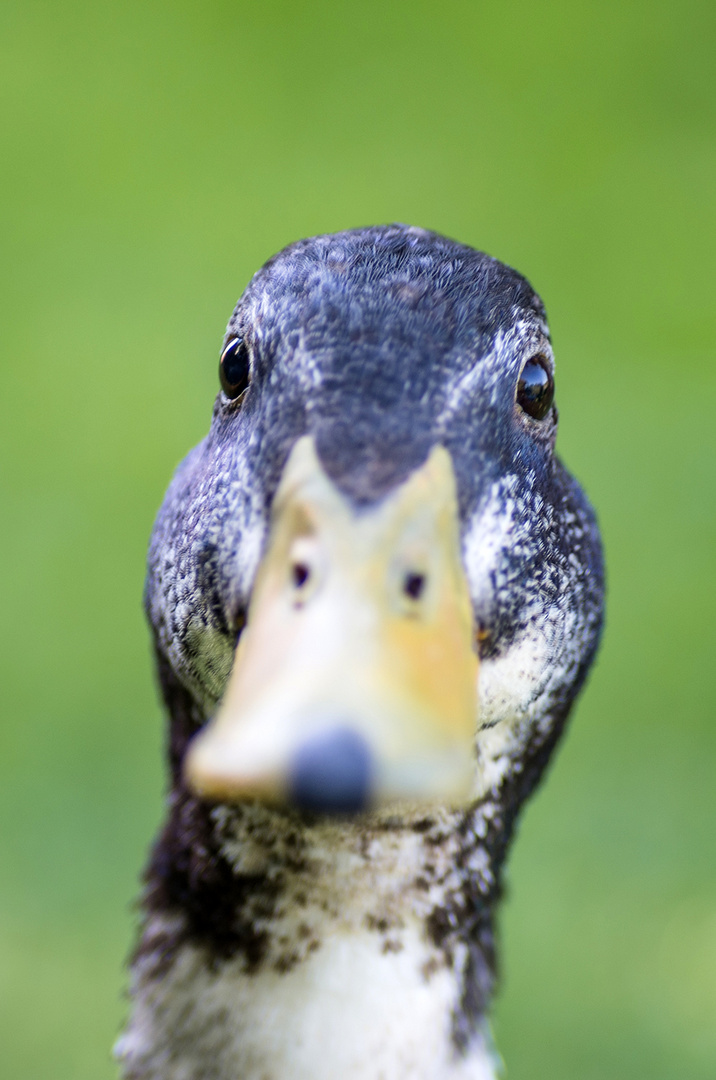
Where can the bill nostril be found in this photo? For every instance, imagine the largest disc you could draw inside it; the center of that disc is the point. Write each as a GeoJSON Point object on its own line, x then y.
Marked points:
{"type": "Point", "coordinates": [331, 773]}
{"type": "Point", "coordinates": [300, 574]}
{"type": "Point", "coordinates": [414, 585]}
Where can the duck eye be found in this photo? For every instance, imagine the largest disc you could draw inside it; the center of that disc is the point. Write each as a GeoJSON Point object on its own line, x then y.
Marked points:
{"type": "Point", "coordinates": [535, 388]}
{"type": "Point", "coordinates": [234, 368]}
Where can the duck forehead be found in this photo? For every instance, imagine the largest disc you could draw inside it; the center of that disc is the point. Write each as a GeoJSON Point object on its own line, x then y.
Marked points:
{"type": "Point", "coordinates": [371, 340]}
{"type": "Point", "coordinates": [404, 286]}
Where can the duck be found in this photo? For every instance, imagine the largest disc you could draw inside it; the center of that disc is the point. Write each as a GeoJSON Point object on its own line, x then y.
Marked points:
{"type": "Point", "coordinates": [375, 593]}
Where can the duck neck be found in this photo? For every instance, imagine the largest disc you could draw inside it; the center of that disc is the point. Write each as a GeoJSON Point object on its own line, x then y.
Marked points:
{"type": "Point", "coordinates": [304, 948]}
{"type": "Point", "coordinates": [311, 949]}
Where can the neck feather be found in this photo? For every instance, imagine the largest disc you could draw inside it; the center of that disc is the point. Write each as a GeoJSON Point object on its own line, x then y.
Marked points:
{"type": "Point", "coordinates": [278, 945]}
{"type": "Point", "coordinates": [356, 949]}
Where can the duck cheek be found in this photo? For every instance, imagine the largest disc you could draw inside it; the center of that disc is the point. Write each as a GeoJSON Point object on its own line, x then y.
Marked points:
{"type": "Point", "coordinates": [354, 684]}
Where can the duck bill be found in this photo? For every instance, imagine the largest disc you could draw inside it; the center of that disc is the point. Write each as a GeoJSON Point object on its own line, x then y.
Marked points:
{"type": "Point", "coordinates": [354, 684]}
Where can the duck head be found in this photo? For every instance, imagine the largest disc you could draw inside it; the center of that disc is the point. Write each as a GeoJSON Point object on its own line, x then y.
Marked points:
{"type": "Point", "coordinates": [378, 519]}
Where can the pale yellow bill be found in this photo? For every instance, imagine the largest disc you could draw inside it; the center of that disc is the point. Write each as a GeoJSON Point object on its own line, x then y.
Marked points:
{"type": "Point", "coordinates": [360, 623]}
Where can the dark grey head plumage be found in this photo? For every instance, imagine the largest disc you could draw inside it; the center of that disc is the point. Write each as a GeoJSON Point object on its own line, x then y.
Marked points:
{"type": "Point", "coordinates": [380, 343]}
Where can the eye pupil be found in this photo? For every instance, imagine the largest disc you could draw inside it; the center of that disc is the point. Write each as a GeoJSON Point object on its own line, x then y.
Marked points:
{"type": "Point", "coordinates": [234, 368]}
{"type": "Point", "coordinates": [535, 389]}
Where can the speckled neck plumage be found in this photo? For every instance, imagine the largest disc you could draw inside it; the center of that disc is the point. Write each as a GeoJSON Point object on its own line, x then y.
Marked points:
{"type": "Point", "coordinates": [241, 901]}
{"type": "Point", "coordinates": [282, 945]}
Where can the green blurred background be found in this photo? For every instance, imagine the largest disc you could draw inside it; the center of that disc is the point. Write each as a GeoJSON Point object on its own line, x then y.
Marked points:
{"type": "Point", "coordinates": [154, 155]}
